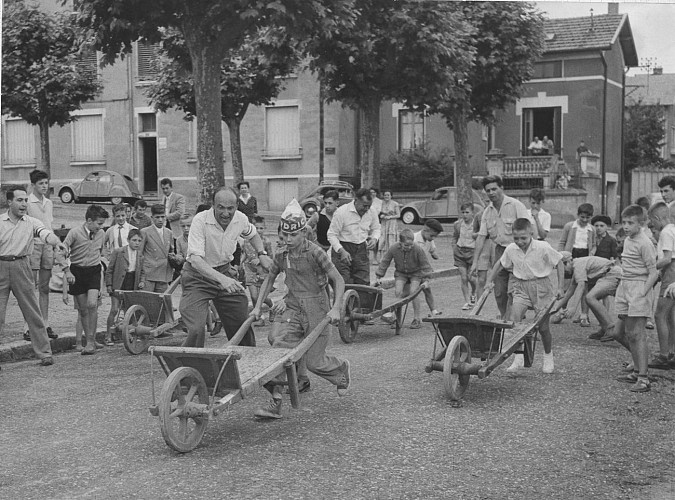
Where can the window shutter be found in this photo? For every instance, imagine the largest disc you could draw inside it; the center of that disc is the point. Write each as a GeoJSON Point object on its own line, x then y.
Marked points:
{"type": "Point", "coordinates": [282, 131]}
{"type": "Point", "coordinates": [148, 60]}
{"type": "Point", "coordinates": [88, 143]}
{"type": "Point", "coordinates": [19, 142]}
{"type": "Point", "coordinates": [87, 62]}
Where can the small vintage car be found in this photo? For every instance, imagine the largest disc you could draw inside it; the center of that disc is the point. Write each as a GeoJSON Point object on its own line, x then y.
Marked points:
{"type": "Point", "coordinates": [313, 201]}
{"type": "Point", "coordinates": [104, 185]}
{"type": "Point", "coordinates": [441, 205]}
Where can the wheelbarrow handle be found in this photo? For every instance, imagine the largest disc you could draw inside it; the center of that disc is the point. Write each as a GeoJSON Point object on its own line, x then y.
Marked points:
{"type": "Point", "coordinates": [480, 302]}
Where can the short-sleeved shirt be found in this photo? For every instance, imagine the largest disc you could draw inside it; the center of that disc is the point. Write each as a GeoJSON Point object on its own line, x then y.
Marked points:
{"type": "Point", "coordinates": [429, 246]}
{"type": "Point", "coordinates": [638, 258]}
{"type": "Point", "coordinates": [589, 268]}
{"type": "Point", "coordinates": [17, 239]}
{"type": "Point", "coordinates": [499, 224]}
{"type": "Point", "coordinates": [348, 226]}
{"type": "Point", "coordinates": [85, 247]}
{"type": "Point", "coordinates": [537, 261]}
{"type": "Point", "coordinates": [42, 210]}
{"type": "Point", "coordinates": [544, 219]}
{"type": "Point", "coordinates": [582, 234]}
{"type": "Point", "coordinates": [207, 239]}
{"type": "Point", "coordinates": [407, 264]}
{"type": "Point", "coordinates": [667, 243]}
{"type": "Point", "coordinates": [464, 234]}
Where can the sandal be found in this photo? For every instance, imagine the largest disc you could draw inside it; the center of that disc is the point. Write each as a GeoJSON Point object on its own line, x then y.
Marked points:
{"type": "Point", "coordinates": [629, 378]}
{"type": "Point", "coordinates": [641, 385]}
{"type": "Point", "coordinates": [416, 324]}
{"type": "Point", "coordinates": [584, 322]}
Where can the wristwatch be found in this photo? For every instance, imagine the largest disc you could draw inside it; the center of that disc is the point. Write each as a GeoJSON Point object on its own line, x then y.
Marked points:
{"type": "Point", "coordinates": [262, 252]}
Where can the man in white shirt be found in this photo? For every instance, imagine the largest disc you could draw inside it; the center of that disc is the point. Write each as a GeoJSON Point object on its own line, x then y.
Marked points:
{"type": "Point", "coordinates": [208, 274]}
{"type": "Point", "coordinates": [354, 230]}
{"type": "Point", "coordinates": [42, 258]}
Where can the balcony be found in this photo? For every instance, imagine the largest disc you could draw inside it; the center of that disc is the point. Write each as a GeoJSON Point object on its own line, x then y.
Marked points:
{"type": "Point", "coordinates": [527, 172]}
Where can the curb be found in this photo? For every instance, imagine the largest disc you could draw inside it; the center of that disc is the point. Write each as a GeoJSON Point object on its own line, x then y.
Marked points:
{"type": "Point", "coordinates": [20, 350]}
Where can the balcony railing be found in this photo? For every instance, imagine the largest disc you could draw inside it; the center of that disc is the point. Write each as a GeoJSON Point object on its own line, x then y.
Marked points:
{"type": "Point", "coordinates": [526, 172]}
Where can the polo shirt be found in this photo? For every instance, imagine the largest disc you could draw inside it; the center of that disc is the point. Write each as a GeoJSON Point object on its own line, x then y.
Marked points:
{"type": "Point", "coordinates": [207, 239]}
{"type": "Point", "coordinates": [498, 224]}
{"type": "Point", "coordinates": [429, 246]}
{"type": "Point", "coordinates": [544, 219]}
{"type": "Point", "coordinates": [85, 250]}
{"type": "Point", "coordinates": [638, 258]}
{"type": "Point", "coordinates": [43, 210]}
{"type": "Point", "coordinates": [348, 226]}
{"type": "Point", "coordinates": [589, 268]}
{"type": "Point", "coordinates": [537, 261]}
{"type": "Point", "coordinates": [17, 239]}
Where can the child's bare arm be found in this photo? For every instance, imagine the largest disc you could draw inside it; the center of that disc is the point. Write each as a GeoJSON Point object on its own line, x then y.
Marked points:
{"type": "Point", "coordinates": [665, 260]}
{"type": "Point", "coordinates": [265, 289]}
{"type": "Point", "coordinates": [489, 282]}
{"type": "Point", "coordinates": [651, 281]}
{"type": "Point", "coordinates": [64, 291]}
{"type": "Point", "coordinates": [561, 277]}
{"type": "Point", "coordinates": [339, 291]}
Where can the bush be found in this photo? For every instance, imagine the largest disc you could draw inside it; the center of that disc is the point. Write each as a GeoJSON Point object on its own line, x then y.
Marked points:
{"type": "Point", "coordinates": [417, 170]}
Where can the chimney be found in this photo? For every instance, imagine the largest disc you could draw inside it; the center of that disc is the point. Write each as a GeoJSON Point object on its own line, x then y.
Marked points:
{"type": "Point", "coordinates": [612, 8]}
{"type": "Point", "coordinates": [658, 70]}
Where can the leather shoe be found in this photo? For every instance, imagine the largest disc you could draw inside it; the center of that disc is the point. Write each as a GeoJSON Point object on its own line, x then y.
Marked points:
{"type": "Point", "coordinates": [51, 334]}
{"type": "Point", "coordinates": [86, 351]}
{"type": "Point", "coordinates": [48, 361]}
{"type": "Point", "coordinates": [26, 336]}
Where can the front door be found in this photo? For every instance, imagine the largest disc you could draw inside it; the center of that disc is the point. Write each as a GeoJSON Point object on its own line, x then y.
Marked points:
{"type": "Point", "coordinates": [148, 154]}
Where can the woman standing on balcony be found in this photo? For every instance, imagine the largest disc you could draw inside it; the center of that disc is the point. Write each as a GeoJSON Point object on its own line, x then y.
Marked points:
{"type": "Point", "coordinates": [389, 214]}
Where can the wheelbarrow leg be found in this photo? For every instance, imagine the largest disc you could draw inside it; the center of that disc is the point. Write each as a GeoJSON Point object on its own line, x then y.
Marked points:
{"type": "Point", "coordinates": [292, 379]}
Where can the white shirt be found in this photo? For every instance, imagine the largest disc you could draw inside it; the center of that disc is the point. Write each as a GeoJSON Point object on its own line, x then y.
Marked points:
{"type": "Point", "coordinates": [42, 210]}
{"type": "Point", "coordinates": [207, 238]}
{"type": "Point", "coordinates": [377, 205]}
{"type": "Point", "coordinates": [347, 225]}
{"type": "Point", "coordinates": [132, 259]}
{"type": "Point", "coordinates": [581, 236]}
{"type": "Point", "coordinates": [537, 261]}
{"type": "Point", "coordinates": [429, 246]}
{"type": "Point", "coordinates": [544, 219]}
{"type": "Point", "coordinates": [117, 229]}
{"type": "Point", "coordinates": [666, 241]}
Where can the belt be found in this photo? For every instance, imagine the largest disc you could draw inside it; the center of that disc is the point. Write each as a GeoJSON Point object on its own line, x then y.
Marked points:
{"type": "Point", "coordinates": [11, 258]}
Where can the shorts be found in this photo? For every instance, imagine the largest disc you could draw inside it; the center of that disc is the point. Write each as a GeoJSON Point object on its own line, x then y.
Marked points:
{"type": "Point", "coordinates": [86, 278]}
{"type": "Point", "coordinates": [534, 294]}
{"type": "Point", "coordinates": [42, 256]}
{"type": "Point", "coordinates": [607, 285]}
{"type": "Point", "coordinates": [630, 301]}
{"type": "Point", "coordinates": [580, 252]}
{"type": "Point", "coordinates": [486, 256]}
{"type": "Point", "coordinates": [463, 257]}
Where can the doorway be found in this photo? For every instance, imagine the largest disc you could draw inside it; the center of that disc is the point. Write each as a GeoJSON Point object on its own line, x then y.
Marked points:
{"type": "Point", "coordinates": [540, 122]}
{"type": "Point", "coordinates": [148, 153]}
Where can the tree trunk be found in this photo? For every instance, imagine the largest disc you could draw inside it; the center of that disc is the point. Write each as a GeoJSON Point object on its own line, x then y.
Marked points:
{"type": "Point", "coordinates": [369, 160]}
{"type": "Point", "coordinates": [233, 125]}
{"type": "Point", "coordinates": [45, 161]}
{"type": "Point", "coordinates": [206, 58]}
{"type": "Point", "coordinates": [462, 168]}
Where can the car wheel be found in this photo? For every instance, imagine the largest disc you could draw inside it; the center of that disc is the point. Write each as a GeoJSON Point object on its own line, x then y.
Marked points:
{"type": "Point", "coordinates": [310, 209]}
{"type": "Point", "coordinates": [66, 196]}
{"type": "Point", "coordinates": [116, 200]}
{"type": "Point", "coordinates": [409, 217]}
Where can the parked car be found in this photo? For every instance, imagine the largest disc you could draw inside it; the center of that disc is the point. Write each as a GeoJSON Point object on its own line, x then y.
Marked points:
{"type": "Point", "coordinates": [313, 201]}
{"type": "Point", "coordinates": [104, 185]}
{"type": "Point", "coordinates": [441, 205]}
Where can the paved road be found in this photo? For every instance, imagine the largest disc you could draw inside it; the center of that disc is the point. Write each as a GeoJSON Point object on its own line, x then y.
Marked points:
{"type": "Point", "coordinates": [81, 429]}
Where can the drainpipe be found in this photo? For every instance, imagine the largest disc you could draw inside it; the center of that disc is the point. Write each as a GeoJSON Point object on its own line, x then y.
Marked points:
{"type": "Point", "coordinates": [132, 142]}
{"type": "Point", "coordinates": [603, 188]}
{"type": "Point", "coordinates": [623, 125]}
{"type": "Point", "coordinates": [321, 131]}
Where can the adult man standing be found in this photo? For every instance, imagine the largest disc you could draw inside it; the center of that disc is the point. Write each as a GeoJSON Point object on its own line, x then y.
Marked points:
{"type": "Point", "coordinates": [208, 274]}
{"type": "Point", "coordinates": [42, 259]}
{"type": "Point", "coordinates": [496, 222]}
{"type": "Point", "coordinates": [17, 230]}
{"type": "Point", "coordinates": [354, 230]}
{"type": "Point", "coordinates": [174, 207]}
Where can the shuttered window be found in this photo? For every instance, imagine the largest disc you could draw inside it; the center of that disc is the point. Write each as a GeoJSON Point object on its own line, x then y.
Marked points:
{"type": "Point", "coordinates": [282, 131]}
{"type": "Point", "coordinates": [19, 142]}
{"type": "Point", "coordinates": [87, 62]}
{"type": "Point", "coordinates": [148, 60]}
{"type": "Point", "coordinates": [88, 139]}
{"type": "Point", "coordinates": [410, 130]}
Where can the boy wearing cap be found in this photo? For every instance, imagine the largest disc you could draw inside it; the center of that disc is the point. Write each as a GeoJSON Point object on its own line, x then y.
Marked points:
{"type": "Point", "coordinates": [606, 244]}
{"type": "Point", "coordinates": [308, 271]}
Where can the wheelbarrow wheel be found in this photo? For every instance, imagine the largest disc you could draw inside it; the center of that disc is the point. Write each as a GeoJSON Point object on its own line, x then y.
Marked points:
{"type": "Point", "coordinates": [136, 329]}
{"type": "Point", "coordinates": [183, 398]}
{"type": "Point", "coordinates": [459, 351]}
{"type": "Point", "coordinates": [347, 326]}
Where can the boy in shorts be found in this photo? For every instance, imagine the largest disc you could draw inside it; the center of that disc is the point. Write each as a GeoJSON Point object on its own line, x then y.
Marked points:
{"type": "Point", "coordinates": [411, 268]}
{"type": "Point", "coordinates": [539, 218]}
{"type": "Point", "coordinates": [83, 273]}
{"type": "Point", "coordinates": [425, 239]}
{"type": "Point", "coordinates": [634, 296]}
{"type": "Point", "coordinates": [662, 221]}
{"type": "Point", "coordinates": [42, 258]}
{"type": "Point", "coordinates": [532, 263]}
{"type": "Point", "coordinates": [308, 271]}
{"type": "Point", "coordinates": [463, 246]}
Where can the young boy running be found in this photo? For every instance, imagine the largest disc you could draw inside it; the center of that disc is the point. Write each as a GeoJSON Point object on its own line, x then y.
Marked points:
{"type": "Point", "coordinates": [532, 263]}
{"type": "Point", "coordinates": [411, 268]}
{"type": "Point", "coordinates": [84, 272]}
{"type": "Point", "coordinates": [463, 246]}
{"type": "Point", "coordinates": [308, 271]}
{"type": "Point", "coordinates": [42, 258]}
{"type": "Point", "coordinates": [634, 296]}
{"type": "Point", "coordinates": [661, 219]}
{"type": "Point", "coordinates": [425, 239]}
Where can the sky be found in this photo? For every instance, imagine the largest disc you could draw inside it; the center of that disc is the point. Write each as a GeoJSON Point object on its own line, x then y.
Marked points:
{"type": "Point", "coordinates": [652, 23]}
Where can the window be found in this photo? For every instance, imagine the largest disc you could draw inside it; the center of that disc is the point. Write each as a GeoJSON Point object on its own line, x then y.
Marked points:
{"type": "Point", "coordinates": [148, 60]}
{"type": "Point", "coordinates": [410, 130]}
{"type": "Point", "coordinates": [88, 143]}
{"type": "Point", "coordinates": [19, 142]}
{"type": "Point", "coordinates": [87, 62]}
{"type": "Point", "coordinates": [548, 69]}
{"type": "Point", "coordinates": [282, 131]}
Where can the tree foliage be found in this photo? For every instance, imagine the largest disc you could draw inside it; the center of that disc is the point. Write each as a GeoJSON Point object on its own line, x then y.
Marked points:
{"type": "Point", "coordinates": [210, 29]}
{"type": "Point", "coordinates": [41, 81]}
{"type": "Point", "coordinates": [406, 51]}
{"type": "Point", "coordinates": [419, 169]}
{"type": "Point", "coordinates": [250, 76]}
{"type": "Point", "coordinates": [509, 39]}
{"type": "Point", "coordinates": [644, 133]}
